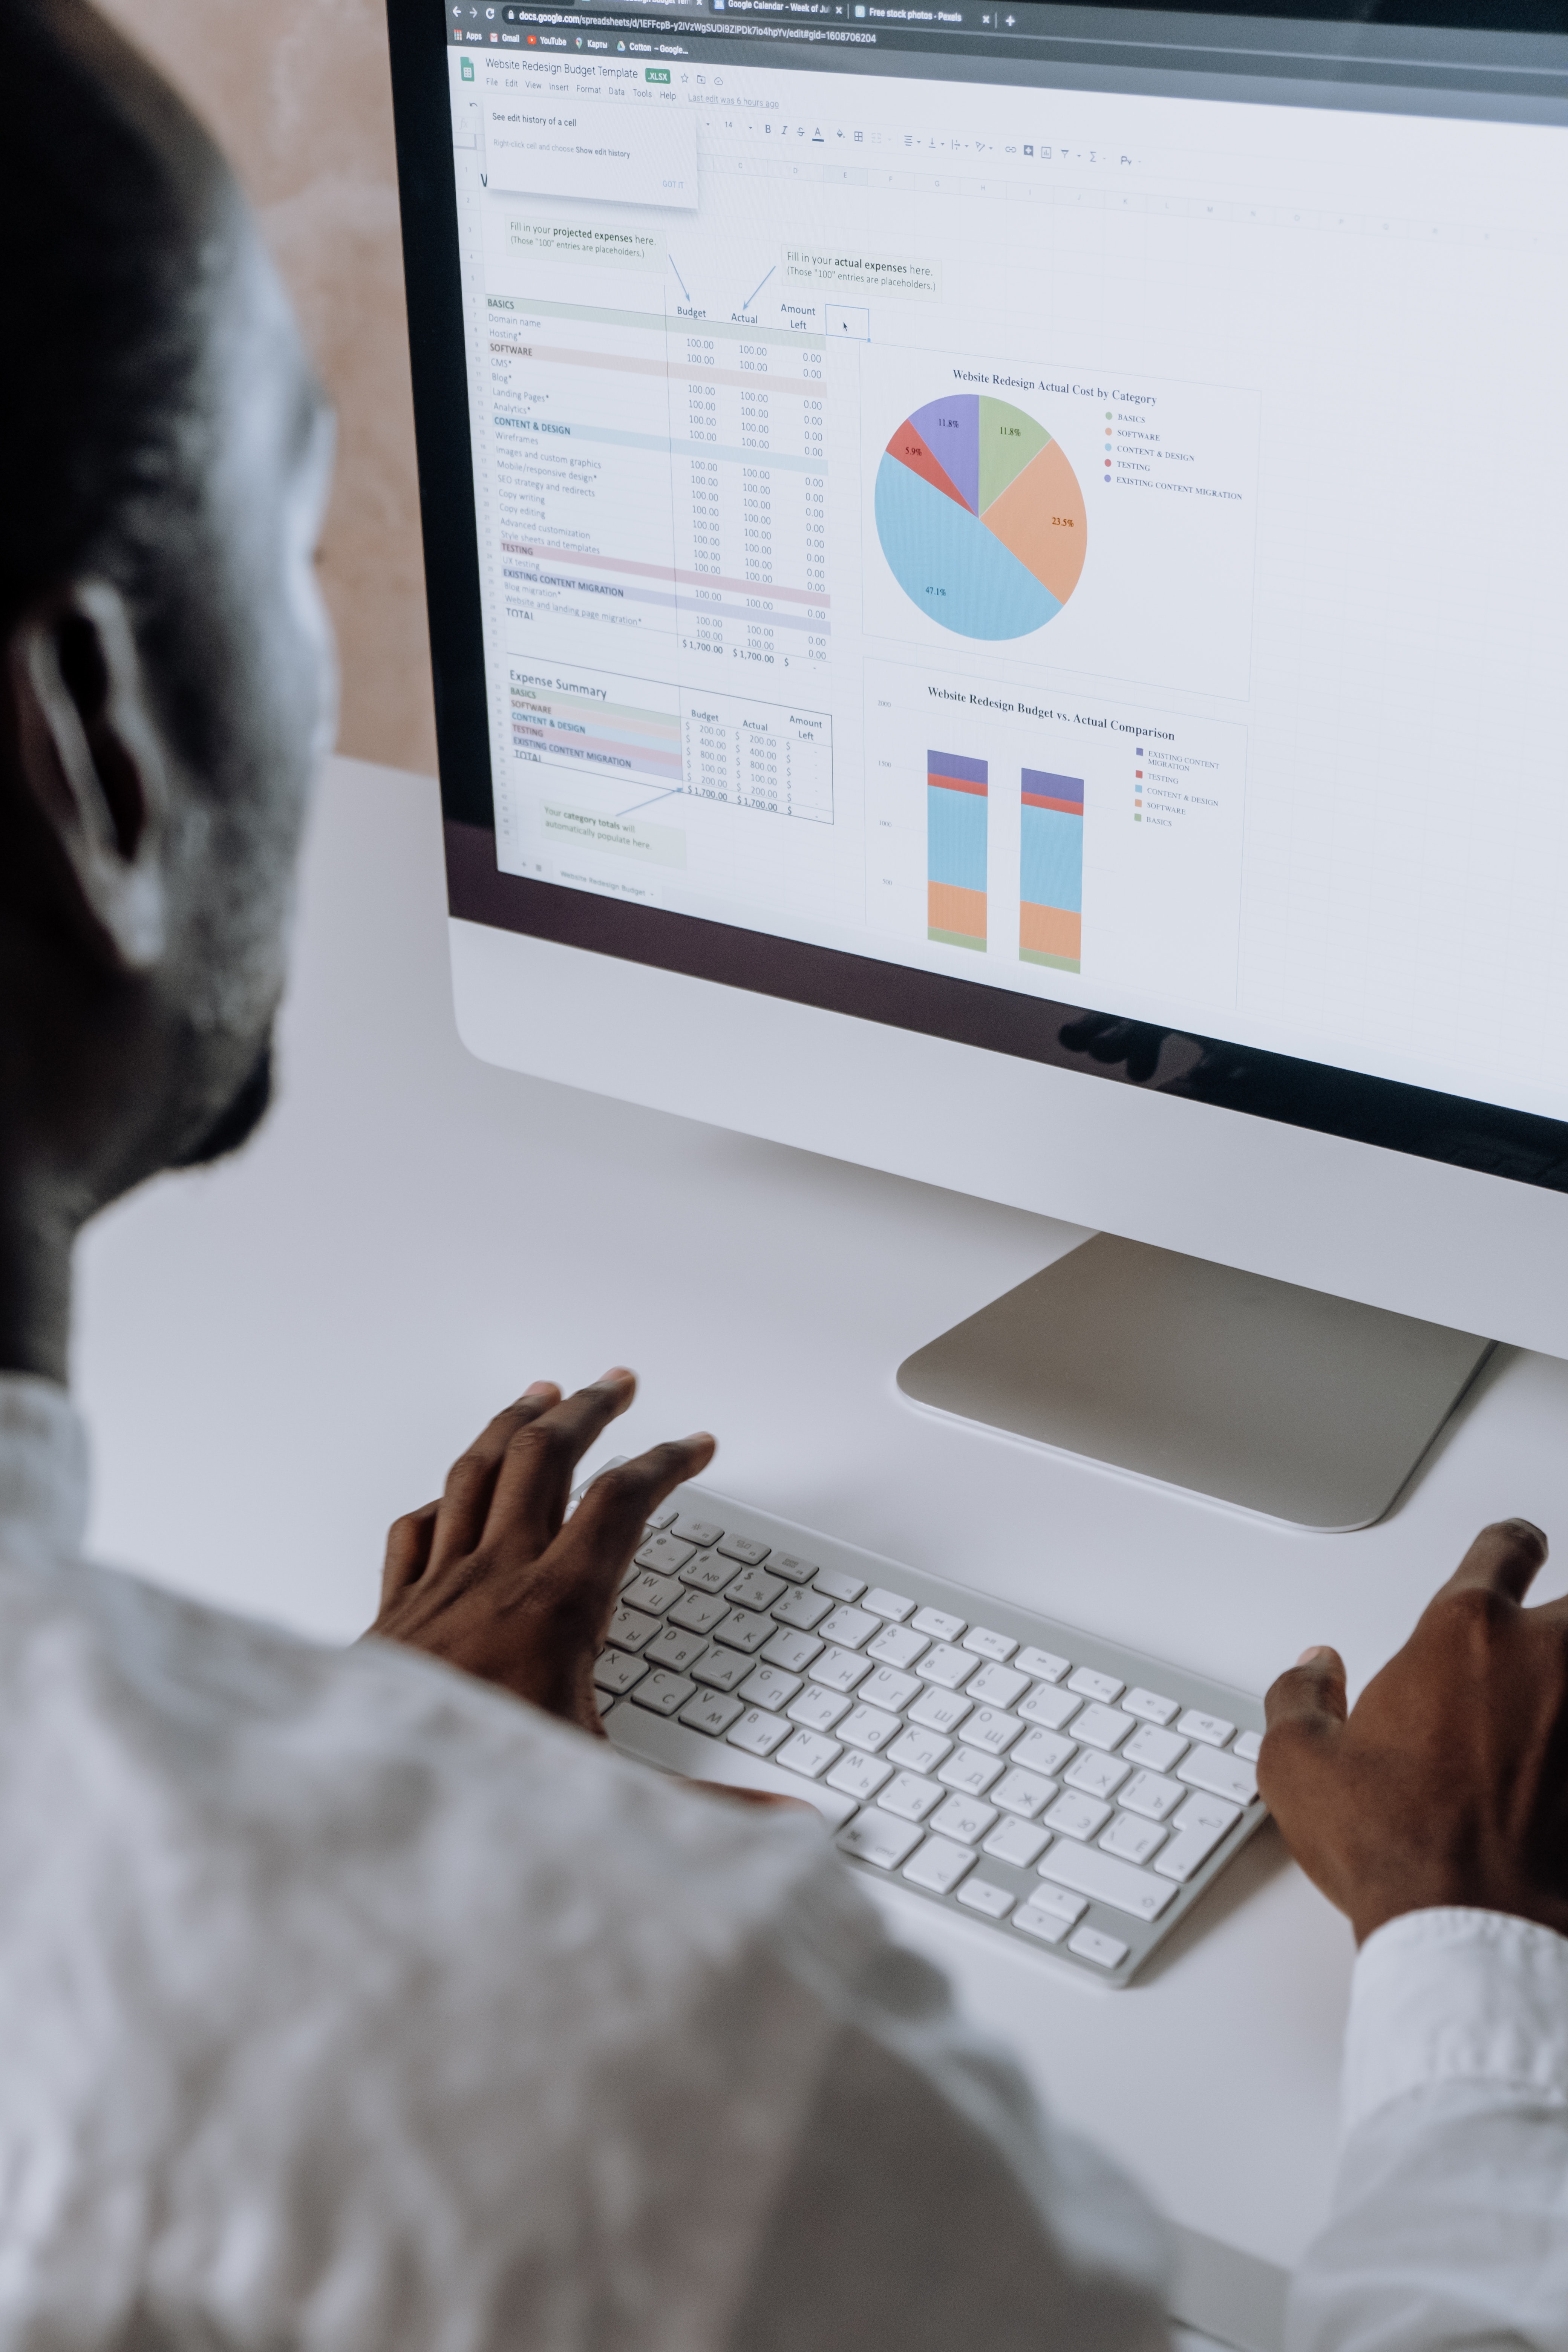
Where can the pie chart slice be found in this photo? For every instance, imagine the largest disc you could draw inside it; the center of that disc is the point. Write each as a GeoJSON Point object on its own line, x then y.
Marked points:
{"type": "Point", "coordinates": [979, 517]}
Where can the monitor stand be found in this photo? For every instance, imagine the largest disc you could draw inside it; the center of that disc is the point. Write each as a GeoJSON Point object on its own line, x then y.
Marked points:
{"type": "Point", "coordinates": [1260, 1394]}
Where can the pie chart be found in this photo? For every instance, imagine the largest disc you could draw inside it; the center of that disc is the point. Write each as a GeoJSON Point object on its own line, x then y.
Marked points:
{"type": "Point", "coordinates": [979, 517]}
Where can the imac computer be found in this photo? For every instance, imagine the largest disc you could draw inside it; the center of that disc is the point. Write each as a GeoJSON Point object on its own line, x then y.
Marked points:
{"type": "Point", "coordinates": [998, 606]}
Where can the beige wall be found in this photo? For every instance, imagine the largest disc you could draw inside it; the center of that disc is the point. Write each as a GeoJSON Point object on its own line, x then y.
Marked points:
{"type": "Point", "coordinates": [298, 93]}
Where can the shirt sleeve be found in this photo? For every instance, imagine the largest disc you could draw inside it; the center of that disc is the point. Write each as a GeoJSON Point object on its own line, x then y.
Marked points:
{"type": "Point", "coordinates": [931, 2204]}
{"type": "Point", "coordinates": [1449, 2225]}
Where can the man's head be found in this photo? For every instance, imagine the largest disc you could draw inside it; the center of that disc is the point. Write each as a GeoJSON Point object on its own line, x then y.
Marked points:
{"type": "Point", "coordinates": [166, 681]}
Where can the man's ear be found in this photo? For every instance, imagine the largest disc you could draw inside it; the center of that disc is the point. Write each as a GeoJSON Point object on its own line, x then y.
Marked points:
{"type": "Point", "coordinates": [92, 760]}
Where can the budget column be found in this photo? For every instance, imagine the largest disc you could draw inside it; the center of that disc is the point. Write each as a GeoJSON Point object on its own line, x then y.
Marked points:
{"type": "Point", "coordinates": [1050, 871]}
{"type": "Point", "coordinates": [955, 849]}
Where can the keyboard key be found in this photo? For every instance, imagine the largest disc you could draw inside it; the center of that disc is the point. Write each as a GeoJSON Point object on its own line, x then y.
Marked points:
{"type": "Point", "coordinates": [1131, 1839]}
{"type": "Point", "coordinates": [1157, 1750]}
{"type": "Point", "coordinates": [663, 1693]}
{"type": "Point", "coordinates": [766, 1687]}
{"type": "Point", "coordinates": [917, 1750]}
{"type": "Point", "coordinates": [663, 1554]}
{"type": "Point", "coordinates": [967, 1819]}
{"type": "Point", "coordinates": [696, 1531]}
{"type": "Point", "coordinates": [632, 1628]}
{"type": "Point", "coordinates": [1212, 1729]}
{"type": "Point", "coordinates": [697, 1612]}
{"type": "Point", "coordinates": [1089, 1870]}
{"type": "Point", "coordinates": [809, 1753]}
{"type": "Point", "coordinates": [896, 1645]}
{"type": "Point", "coordinates": [1048, 1913]}
{"type": "Point", "coordinates": [885, 1688]}
{"type": "Point", "coordinates": [937, 1624]}
{"type": "Point", "coordinates": [1090, 1684]}
{"type": "Point", "coordinates": [651, 1593]}
{"type": "Point", "coordinates": [710, 1712]}
{"type": "Point", "coordinates": [859, 1776]}
{"type": "Point", "coordinates": [721, 1669]}
{"type": "Point", "coordinates": [1200, 1825]}
{"type": "Point", "coordinates": [1222, 1776]}
{"type": "Point", "coordinates": [1151, 1794]}
{"type": "Point", "coordinates": [980, 1894]}
{"type": "Point", "coordinates": [875, 1836]}
{"type": "Point", "coordinates": [989, 1728]}
{"type": "Point", "coordinates": [614, 1671]}
{"type": "Point", "coordinates": [910, 1795]}
{"type": "Point", "coordinates": [663, 1517]}
{"type": "Point", "coordinates": [1050, 1707]}
{"type": "Point", "coordinates": [848, 1627]}
{"type": "Point", "coordinates": [789, 1564]}
{"type": "Point", "coordinates": [754, 1589]}
{"type": "Point", "coordinates": [1103, 1950]}
{"type": "Point", "coordinates": [944, 1664]}
{"type": "Point", "coordinates": [805, 1610]}
{"type": "Point", "coordinates": [1023, 1792]}
{"type": "Point", "coordinates": [818, 1709]}
{"type": "Point", "coordinates": [757, 1732]}
{"type": "Point", "coordinates": [1096, 1774]}
{"type": "Point", "coordinates": [743, 1628]}
{"type": "Point", "coordinates": [742, 1548]}
{"type": "Point", "coordinates": [939, 1865]}
{"type": "Point", "coordinates": [838, 1586]}
{"type": "Point", "coordinates": [840, 1669]}
{"type": "Point", "coordinates": [1248, 1746]}
{"type": "Point", "coordinates": [793, 1652]}
{"type": "Point", "coordinates": [893, 1606]}
{"type": "Point", "coordinates": [971, 1769]}
{"type": "Point", "coordinates": [939, 1710]}
{"type": "Point", "coordinates": [1149, 1707]}
{"type": "Point", "coordinates": [1077, 1816]}
{"type": "Point", "coordinates": [1101, 1727]}
{"type": "Point", "coordinates": [996, 1686]}
{"type": "Point", "coordinates": [1018, 1842]}
{"type": "Point", "coordinates": [1043, 1752]}
{"type": "Point", "coordinates": [673, 1647]}
{"type": "Point", "coordinates": [987, 1645]}
{"type": "Point", "coordinates": [706, 1572]}
{"type": "Point", "coordinates": [1041, 1665]}
{"type": "Point", "coordinates": [867, 1726]}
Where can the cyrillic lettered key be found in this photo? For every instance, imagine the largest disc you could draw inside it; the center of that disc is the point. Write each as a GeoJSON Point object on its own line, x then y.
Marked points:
{"type": "Point", "coordinates": [673, 1647]}
{"type": "Point", "coordinates": [858, 1775]}
{"type": "Point", "coordinates": [869, 1728]}
{"type": "Point", "coordinates": [840, 1669]}
{"type": "Point", "coordinates": [879, 1837]}
{"type": "Point", "coordinates": [939, 1865]}
{"type": "Point", "coordinates": [1132, 1839]}
{"type": "Point", "coordinates": [939, 1710]}
{"type": "Point", "coordinates": [971, 1769]}
{"type": "Point", "coordinates": [1222, 1776]}
{"type": "Point", "coordinates": [1089, 1870]}
{"type": "Point", "coordinates": [758, 1733]}
{"type": "Point", "coordinates": [710, 1712]}
{"type": "Point", "coordinates": [1023, 1792]}
{"type": "Point", "coordinates": [632, 1628]}
{"type": "Point", "coordinates": [808, 1752]}
{"type": "Point", "coordinates": [818, 1709]}
{"type": "Point", "coordinates": [616, 1671]}
{"type": "Point", "coordinates": [910, 1795]}
{"type": "Point", "coordinates": [989, 1728]}
{"type": "Point", "coordinates": [662, 1693]}
{"type": "Point", "coordinates": [919, 1750]}
{"type": "Point", "coordinates": [1043, 1752]}
{"type": "Point", "coordinates": [1076, 1816]}
{"type": "Point", "coordinates": [654, 1594]}
{"type": "Point", "coordinates": [965, 1819]}
{"type": "Point", "coordinates": [883, 1687]}
{"type": "Point", "coordinates": [793, 1652]}
{"type": "Point", "coordinates": [721, 1669]}
{"type": "Point", "coordinates": [697, 1612]}
{"type": "Point", "coordinates": [766, 1687]}
{"type": "Point", "coordinates": [1096, 1774]}
{"type": "Point", "coordinates": [743, 1628]}
{"type": "Point", "coordinates": [1151, 1794]}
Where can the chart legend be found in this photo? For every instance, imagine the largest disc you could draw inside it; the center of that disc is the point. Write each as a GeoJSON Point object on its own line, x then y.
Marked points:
{"type": "Point", "coordinates": [981, 517]}
{"type": "Point", "coordinates": [956, 794]}
{"type": "Point", "coordinates": [1050, 871]}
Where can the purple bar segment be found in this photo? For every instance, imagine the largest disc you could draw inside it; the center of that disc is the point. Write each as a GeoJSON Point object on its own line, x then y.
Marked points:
{"type": "Point", "coordinates": [951, 428]}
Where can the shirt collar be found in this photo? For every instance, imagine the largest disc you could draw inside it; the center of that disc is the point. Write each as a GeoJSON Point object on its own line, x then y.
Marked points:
{"type": "Point", "coordinates": [43, 1470]}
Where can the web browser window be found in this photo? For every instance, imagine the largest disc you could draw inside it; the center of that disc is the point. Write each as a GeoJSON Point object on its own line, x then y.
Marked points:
{"type": "Point", "coordinates": [1082, 518]}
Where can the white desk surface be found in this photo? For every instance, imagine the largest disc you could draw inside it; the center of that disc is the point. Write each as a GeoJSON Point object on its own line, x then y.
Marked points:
{"type": "Point", "coordinates": [279, 1356]}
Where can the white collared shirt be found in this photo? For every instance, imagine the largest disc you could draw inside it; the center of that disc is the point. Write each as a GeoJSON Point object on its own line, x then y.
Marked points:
{"type": "Point", "coordinates": [347, 2004]}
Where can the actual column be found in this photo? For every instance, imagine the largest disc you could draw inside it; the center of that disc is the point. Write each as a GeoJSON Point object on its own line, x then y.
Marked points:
{"type": "Point", "coordinates": [956, 790]}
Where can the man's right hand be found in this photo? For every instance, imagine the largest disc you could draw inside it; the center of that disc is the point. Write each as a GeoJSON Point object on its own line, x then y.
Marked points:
{"type": "Point", "coordinates": [1448, 1783]}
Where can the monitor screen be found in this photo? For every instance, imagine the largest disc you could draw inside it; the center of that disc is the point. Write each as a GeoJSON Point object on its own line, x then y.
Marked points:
{"type": "Point", "coordinates": [1040, 524]}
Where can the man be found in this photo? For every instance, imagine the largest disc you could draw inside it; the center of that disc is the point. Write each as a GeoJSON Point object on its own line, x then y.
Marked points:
{"type": "Point", "coordinates": [367, 1999]}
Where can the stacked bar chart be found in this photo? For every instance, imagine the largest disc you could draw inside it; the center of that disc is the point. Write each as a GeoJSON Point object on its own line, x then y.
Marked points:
{"type": "Point", "coordinates": [957, 791]}
{"type": "Point", "coordinates": [1050, 871]}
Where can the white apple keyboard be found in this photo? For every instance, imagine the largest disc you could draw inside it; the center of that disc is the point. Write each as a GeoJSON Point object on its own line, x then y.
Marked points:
{"type": "Point", "coordinates": [1074, 1797]}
